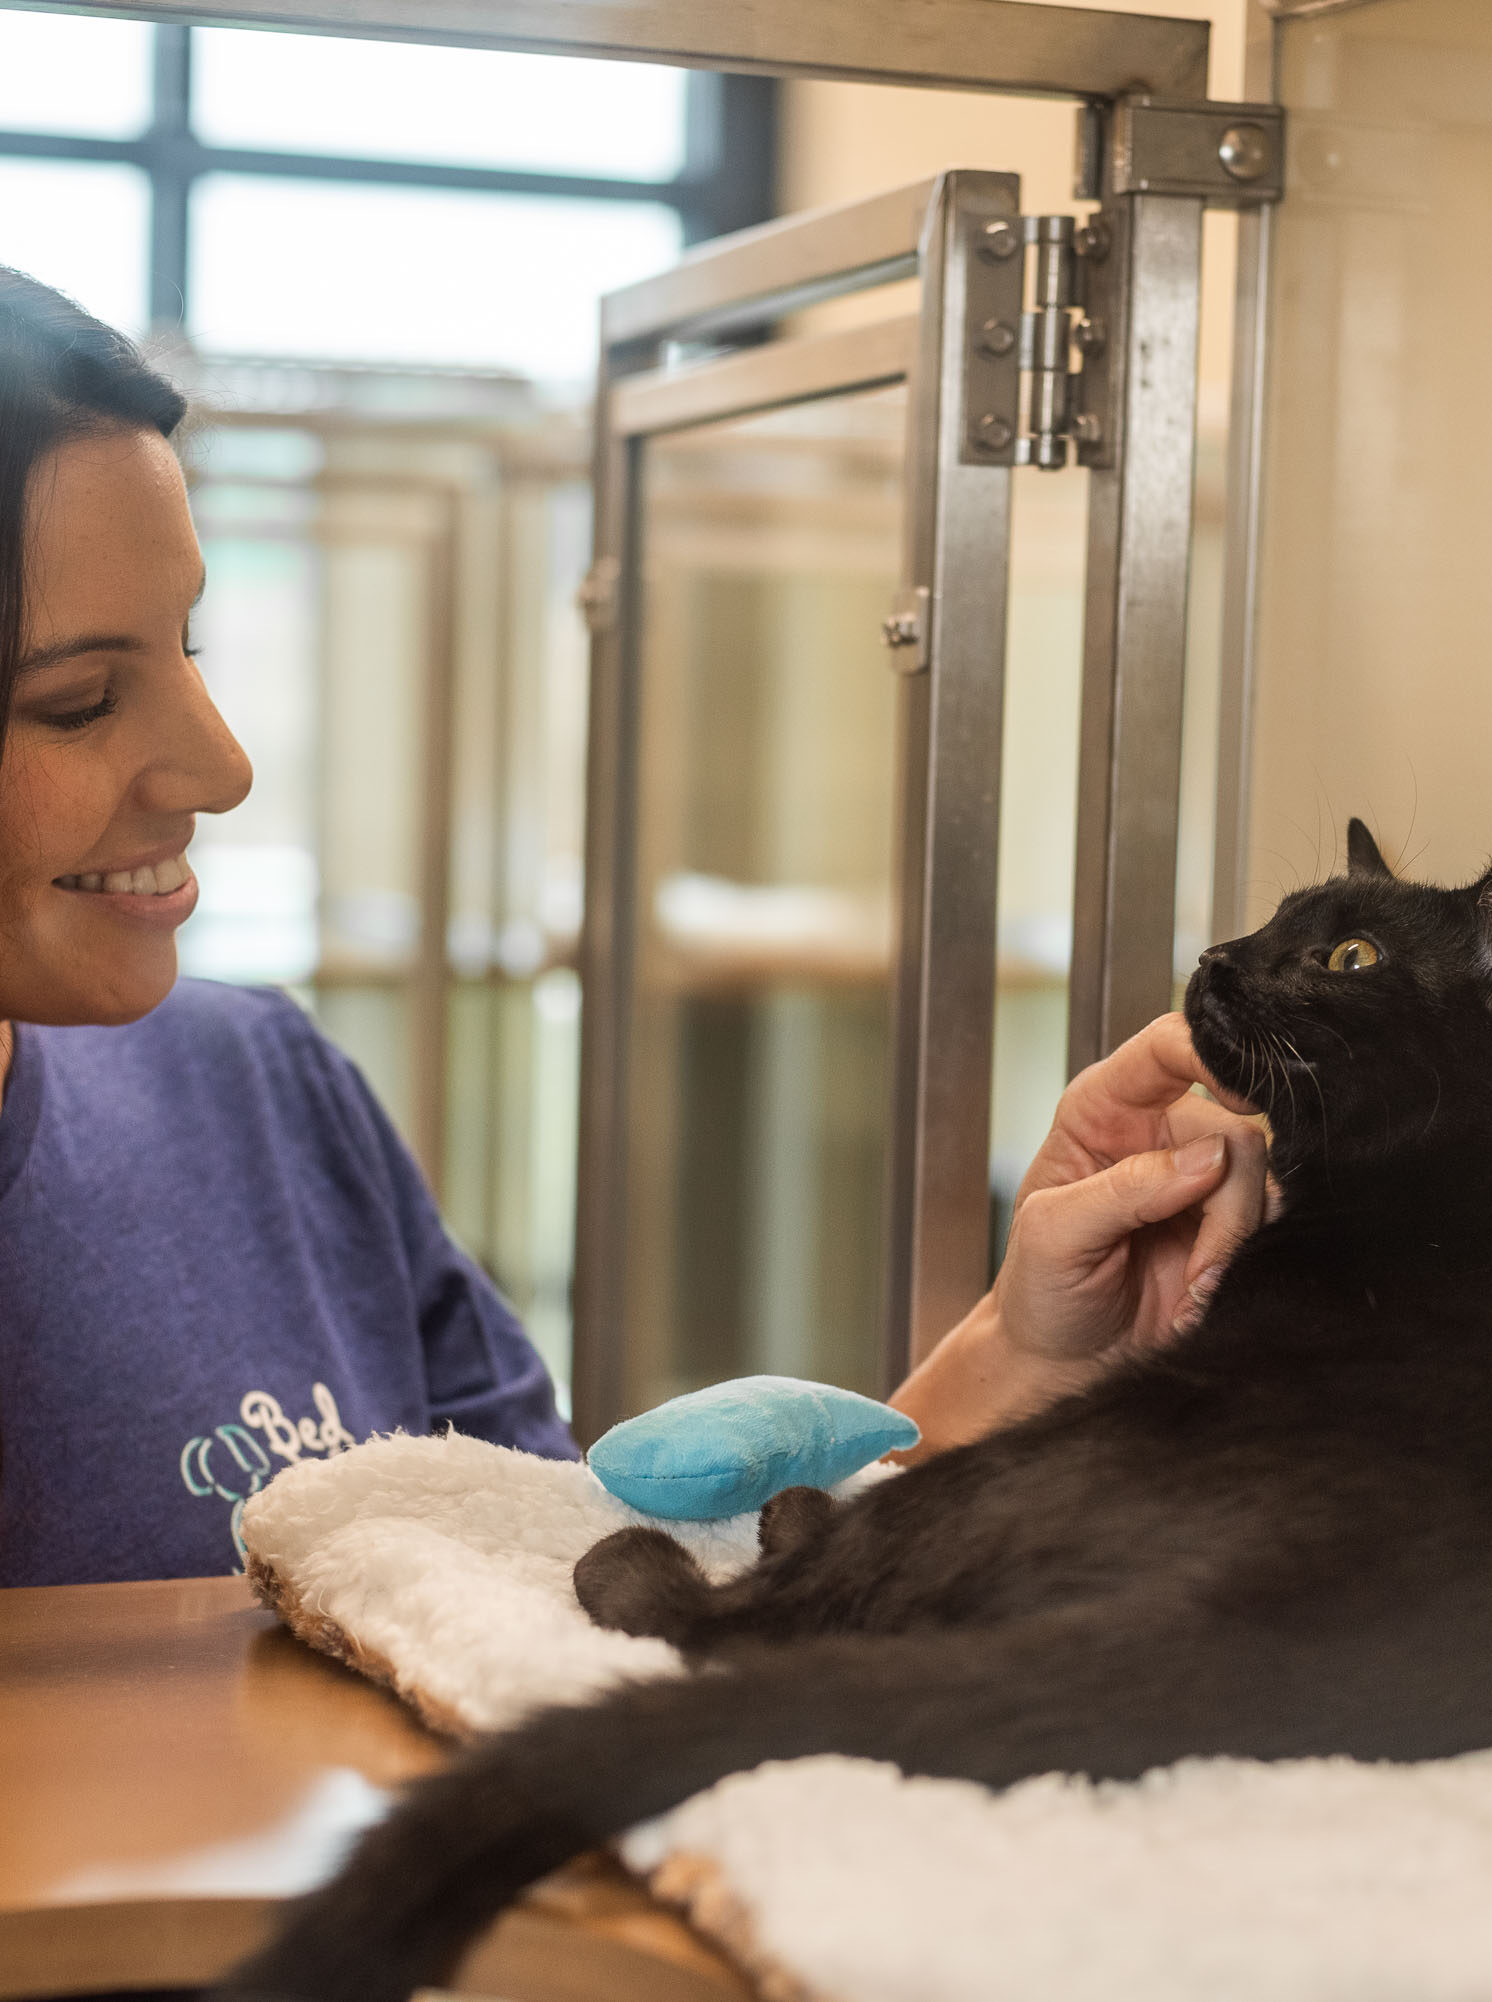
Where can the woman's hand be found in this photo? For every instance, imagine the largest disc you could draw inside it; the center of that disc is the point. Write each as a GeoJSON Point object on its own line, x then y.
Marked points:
{"type": "Point", "coordinates": [1129, 1215]}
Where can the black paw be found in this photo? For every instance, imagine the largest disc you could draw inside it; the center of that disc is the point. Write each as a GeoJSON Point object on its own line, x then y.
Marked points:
{"type": "Point", "coordinates": [639, 1581]}
{"type": "Point", "coordinates": [796, 1517]}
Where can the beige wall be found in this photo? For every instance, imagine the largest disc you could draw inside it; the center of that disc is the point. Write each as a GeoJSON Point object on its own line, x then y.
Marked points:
{"type": "Point", "coordinates": [1374, 687]}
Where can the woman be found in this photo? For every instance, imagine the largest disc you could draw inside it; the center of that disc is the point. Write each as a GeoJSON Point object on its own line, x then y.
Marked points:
{"type": "Point", "coordinates": [216, 1257]}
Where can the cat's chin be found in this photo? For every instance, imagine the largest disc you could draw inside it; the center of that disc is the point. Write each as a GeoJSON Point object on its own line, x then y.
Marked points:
{"type": "Point", "coordinates": [1216, 1042]}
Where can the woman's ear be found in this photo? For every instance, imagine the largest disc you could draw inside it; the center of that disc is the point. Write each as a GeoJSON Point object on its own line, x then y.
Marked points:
{"type": "Point", "coordinates": [1363, 858]}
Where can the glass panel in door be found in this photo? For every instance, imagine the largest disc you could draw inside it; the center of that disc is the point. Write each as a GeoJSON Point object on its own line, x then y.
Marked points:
{"type": "Point", "coordinates": [760, 1050]}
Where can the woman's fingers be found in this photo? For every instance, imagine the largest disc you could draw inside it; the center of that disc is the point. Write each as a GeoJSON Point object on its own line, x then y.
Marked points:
{"type": "Point", "coordinates": [1072, 1227]}
{"type": "Point", "coordinates": [1231, 1213]}
{"type": "Point", "coordinates": [1111, 1108]}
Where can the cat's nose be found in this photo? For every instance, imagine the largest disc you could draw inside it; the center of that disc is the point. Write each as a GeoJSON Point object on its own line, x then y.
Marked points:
{"type": "Point", "coordinates": [1225, 954]}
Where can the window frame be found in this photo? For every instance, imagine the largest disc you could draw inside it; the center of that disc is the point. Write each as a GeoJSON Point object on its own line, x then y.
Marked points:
{"type": "Point", "coordinates": [726, 182]}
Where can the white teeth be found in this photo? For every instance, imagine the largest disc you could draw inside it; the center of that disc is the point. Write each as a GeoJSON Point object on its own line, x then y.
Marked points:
{"type": "Point", "coordinates": [157, 882]}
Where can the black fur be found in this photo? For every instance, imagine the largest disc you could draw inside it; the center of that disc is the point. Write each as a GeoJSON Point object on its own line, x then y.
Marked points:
{"type": "Point", "coordinates": [1274, 1539]}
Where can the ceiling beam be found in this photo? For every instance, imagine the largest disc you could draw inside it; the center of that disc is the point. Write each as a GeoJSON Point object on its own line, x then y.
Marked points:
{"type": "Point", "coordinates": [1006, 45]}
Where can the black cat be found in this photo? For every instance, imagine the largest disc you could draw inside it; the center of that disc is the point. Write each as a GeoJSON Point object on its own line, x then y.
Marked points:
{"type": "Point", "coordinates": [1274, 1539]}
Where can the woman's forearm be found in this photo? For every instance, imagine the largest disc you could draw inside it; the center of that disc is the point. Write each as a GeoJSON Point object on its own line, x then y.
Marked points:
{"type": "Point", "coordinates": [976, 1381]}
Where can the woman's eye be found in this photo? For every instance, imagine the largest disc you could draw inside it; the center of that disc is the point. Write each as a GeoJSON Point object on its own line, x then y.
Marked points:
{"type": "Point", "coordinates": [79, 719]}
{"type": "Point", "coordinates": [1353, 955]}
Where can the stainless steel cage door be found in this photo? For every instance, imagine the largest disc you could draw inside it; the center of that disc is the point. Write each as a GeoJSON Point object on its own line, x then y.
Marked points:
{"type": "Point", "coordinates": [945, 635]}
{"type": "Point", "coordinates": [1036, 341]}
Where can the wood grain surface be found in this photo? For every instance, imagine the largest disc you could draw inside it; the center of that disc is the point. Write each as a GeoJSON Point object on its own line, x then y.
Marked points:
{"type": "Point", "coordinates": [173, 1764]}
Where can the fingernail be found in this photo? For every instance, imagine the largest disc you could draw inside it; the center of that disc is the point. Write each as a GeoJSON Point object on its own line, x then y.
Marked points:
{"type": "Point", "coordinates": [1199, 1157]}
{"type": "Point", "coordinates": [1204, 1285]}
{"type": "Point", "coordinates": [1194, 1300]}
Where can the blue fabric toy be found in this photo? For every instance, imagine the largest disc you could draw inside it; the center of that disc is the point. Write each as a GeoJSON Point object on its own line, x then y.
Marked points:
{"type": "Point", "coordinates": [725, 1450]}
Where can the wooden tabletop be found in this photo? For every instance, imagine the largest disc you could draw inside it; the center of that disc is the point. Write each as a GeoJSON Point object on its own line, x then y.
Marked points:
{"type": "Point", "coordinates": [173, 1764]}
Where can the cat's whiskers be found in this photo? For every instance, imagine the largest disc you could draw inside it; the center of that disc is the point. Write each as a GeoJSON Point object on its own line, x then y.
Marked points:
{"type": "Point", "coordinates": [1249, 1052]}
{"type": "Point", "coordinates": [1330, 1031]}
{"type": "Point", "coordinates": [1284, 1072]}
{"type": "Point", "coordinates": [1310, 1071]}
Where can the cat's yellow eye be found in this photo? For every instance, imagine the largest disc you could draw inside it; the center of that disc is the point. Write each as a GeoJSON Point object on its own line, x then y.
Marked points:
{"type": "Point", "coordinates": [1353, 955]}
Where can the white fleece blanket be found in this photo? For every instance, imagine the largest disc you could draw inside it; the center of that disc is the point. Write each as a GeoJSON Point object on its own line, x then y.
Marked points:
{"type": "Point", "coordinates": [443, 1567]}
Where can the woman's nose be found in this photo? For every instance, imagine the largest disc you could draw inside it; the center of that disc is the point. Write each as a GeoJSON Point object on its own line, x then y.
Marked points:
{"type": "Point", "coordinates": [225, 769]}
{"type": "Point", "coordinates": [202, 767]}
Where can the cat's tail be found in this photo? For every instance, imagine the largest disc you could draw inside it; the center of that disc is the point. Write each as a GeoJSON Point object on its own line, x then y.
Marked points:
{"type": "Point", "coordinates": [1108, 1694]}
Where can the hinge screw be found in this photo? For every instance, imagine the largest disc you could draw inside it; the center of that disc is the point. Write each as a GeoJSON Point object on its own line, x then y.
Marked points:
{"type": "Point", "coordinates": [999, 240]}
{"type": "Point", "coordinates": [901, 629]}
{"type": "Point", "coordinates": [1086, 429]}
{"type": "Point", "coordinates": [1092, 240]}
{"type": "Point", "coordinates": [992, 432]}
{"type": "Point", "coordinates": [997, 337]}
{"type": "Point", "coordinates": [1090, 336]}
{"type": "Point", "coordinates": [1245, 152]}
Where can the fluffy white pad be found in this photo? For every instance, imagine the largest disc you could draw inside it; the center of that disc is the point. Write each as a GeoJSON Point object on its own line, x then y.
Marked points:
{"type": "Point", "coordinates": [448, 1562]}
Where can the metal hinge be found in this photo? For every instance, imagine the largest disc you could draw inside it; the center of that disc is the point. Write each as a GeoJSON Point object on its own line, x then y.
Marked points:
{"type": "Point", "coordinates": [1037, 376]}
{"type": "Point", "coordinates": [1227, 155]}
{"type": "Point", "coordinates": [907, 630]}
{"type": "Point", "coordinates": [596, 599]}
{"type": "Point", "coordinates": [1006, 342]}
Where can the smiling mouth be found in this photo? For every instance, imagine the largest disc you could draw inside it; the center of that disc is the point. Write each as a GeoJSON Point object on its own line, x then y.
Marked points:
{"type": "Point", "coordinates": [163, 880]}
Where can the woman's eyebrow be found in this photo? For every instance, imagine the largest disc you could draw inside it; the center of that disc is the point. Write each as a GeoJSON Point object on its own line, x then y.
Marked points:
{"type": "Point", "coordinates": [72, 649]}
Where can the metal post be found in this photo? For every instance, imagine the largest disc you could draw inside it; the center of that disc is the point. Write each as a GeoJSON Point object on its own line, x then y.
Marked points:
{"type": "Point", "coordinates": [1134, 645]}
{"type": "Point", "coordinates": [170, 178]}
{"type": "Point", "coordinates": [1241, 552]}
{"type": "Point", "coordinates": [609, 600]}
{"type": "Point", "coordinates": [430, 986]}
{"type": "Point", "coordinates": [952, 712]}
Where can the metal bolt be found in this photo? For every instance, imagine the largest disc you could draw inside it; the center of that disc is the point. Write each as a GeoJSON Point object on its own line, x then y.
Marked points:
{"type": "Point", "coordinates": [900, 629]}
{"type": "Point", "coordinates": [1245, 152]}
{"type": "Point", "coordinates": [992, 433]}
{"type": "Point", "coordinates": [1086, 428]}
{"type": "Point", "coordinates": [1091, 336]}
{"type": "Point", "coordinates": [997, 337]}
{"type": "Point", "coordinates": [999, 240]}
{"type": "Point", "coordinates": [1092, 240]}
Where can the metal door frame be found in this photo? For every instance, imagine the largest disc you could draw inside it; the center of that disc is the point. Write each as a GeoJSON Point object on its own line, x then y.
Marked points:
{"type": "Point", "coordinates": [1007, 45]}
{"type": "Point", "coordinates": [950, 712]}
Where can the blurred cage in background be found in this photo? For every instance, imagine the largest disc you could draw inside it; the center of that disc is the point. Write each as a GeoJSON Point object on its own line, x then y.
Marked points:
{"type": "Point", "coordinates": [390, 630]}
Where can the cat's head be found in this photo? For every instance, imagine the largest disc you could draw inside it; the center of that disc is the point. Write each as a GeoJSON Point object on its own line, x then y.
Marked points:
{"type": "Point", "coordinates": [1360, 1016]}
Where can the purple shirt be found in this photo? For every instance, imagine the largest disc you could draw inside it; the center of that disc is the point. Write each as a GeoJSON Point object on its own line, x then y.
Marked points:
{"type": "Point", "coordinates": [217, 1258]}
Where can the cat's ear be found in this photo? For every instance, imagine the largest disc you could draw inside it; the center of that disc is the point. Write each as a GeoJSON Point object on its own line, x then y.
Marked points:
{"type": "Point", "coordinates": [1363, 858]}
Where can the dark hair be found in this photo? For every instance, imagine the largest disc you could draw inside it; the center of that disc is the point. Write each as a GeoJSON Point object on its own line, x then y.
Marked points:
{"type": "Point", "coordinates": [63, 374]}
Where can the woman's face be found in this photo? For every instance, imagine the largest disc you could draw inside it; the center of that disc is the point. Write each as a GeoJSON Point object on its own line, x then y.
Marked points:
{"type": "Point", "coordinates": [114, 746]}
